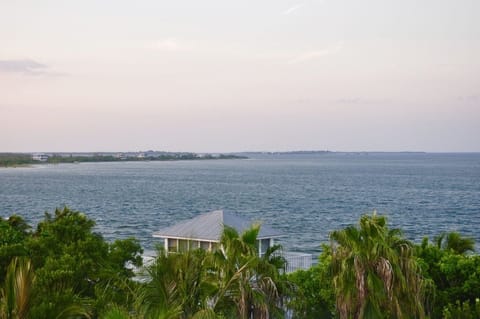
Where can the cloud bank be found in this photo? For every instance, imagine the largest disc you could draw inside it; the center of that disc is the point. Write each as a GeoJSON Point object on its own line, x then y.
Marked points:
{"type": "Point", "coordinates": [26, 66]}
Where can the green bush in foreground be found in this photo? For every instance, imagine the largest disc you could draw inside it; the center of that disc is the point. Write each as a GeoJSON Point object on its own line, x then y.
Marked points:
{"type": "Point", "coordinates": [450, 277]}
{"type": "Point", "coordinates": [462, 310]}
{"type": "Point", "coordinates": [313, 296]}
{"type": "Point", "coordinates": [74, 266]}
{"type": "Point", "coordinates": [63, 269]}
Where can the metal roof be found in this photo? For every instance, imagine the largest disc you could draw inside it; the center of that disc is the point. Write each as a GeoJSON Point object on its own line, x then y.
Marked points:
{"type": "Point", "coordinates": [209, 227]}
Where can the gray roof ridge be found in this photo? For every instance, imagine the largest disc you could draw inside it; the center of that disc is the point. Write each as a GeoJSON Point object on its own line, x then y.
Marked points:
{"type": "Point", "coordinates": [209, 227]}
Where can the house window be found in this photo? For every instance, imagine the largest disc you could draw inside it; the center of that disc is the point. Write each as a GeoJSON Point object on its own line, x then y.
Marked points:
{"type": "Point", "coordinates": [265, 244]}
{"type": "Point", "coordinates": [172, 245]}
{"type": "Point", "coordinates": [194, 244]}
{"type": "Point", "coordinates": [182, 245]}
{"type": "Point", "coordinates": [205, 245]}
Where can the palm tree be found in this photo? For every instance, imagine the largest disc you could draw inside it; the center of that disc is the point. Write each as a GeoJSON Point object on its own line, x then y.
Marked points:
{"type": "Point", "coordinates": [375, 274]}
{"type": "Point", "coordinates": [15, 297]}
{"type": "Point", "coordinates": [454, 242]}
{"type": "Point", "coordinates": [272, 282]}
{"type": "Point", "coordinates": [231, 282]}
{"type": "Point", "coordinates": [158, 296]}
{"type": "Point", "coordinates": [117, 312]}
{"type": "Point", "coordinates": [247, 285]}
{"type": "Point", "coordinates": [176, 286]}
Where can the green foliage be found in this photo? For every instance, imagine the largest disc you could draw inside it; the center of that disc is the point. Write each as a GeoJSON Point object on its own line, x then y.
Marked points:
{"type": "Point", "coordinates": [455, 275]}
{"type": "Point", "coordinates": [75, 261]}
{"type": "Point", "coordinates": [116, 312]}
{"type": "Point", "coordinates": [375, 273]}
{"type": "Point", "coordinates": [60, 304]}
{"type": "Point", "coordinates": [246, 284]}
{"type": "Point", "coordinates": [19, 159]}
{"type": "Point", "coordinates": [77, 273]}
{"type": "Point", "coordinates": [63, 269]}
{"type": "Point", "coordinates": [13, 232]}
{"type": "Point", "coordinates": [15, 159]}
{"type": "Point", "coordinates": [177, 285]}
{"type": "Point", "coordinates": [455, 243]}
{"type": "Point", "coordinates": [56, 159]}
{"type": "Point", "coordinates": [313, 296]}
{"type": "Point", "coordinates": [16, 294]}
{"type": "Point", "coordinates": [232, 282]}
{"type": "Point", "coordinates": [462, 310]}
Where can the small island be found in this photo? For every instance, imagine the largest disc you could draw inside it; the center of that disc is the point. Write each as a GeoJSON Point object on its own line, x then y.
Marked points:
{"type": "Point", "coordinates": [22, 159]}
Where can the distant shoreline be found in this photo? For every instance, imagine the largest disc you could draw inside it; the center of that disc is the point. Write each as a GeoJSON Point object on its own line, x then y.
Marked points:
{"type": "Point", "coordinates": [32, 159]}
{"type": "Point", "coordinates": [26, 160]}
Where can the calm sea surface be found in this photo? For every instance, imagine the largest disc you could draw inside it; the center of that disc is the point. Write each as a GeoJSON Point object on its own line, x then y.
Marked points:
{"type": "Point", "coordinates": [305, 196]}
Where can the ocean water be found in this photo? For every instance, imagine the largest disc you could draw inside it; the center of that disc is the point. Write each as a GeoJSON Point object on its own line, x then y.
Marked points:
{"type": "Point", "coordinates": [304, 196]}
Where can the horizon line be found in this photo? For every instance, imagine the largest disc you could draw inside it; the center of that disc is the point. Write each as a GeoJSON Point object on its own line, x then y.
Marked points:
{"type": "Point", "coordinates": [243, 152]}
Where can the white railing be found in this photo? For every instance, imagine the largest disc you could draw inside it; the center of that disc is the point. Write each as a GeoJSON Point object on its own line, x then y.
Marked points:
{"type": "Point", "coordinates": [296, 261]}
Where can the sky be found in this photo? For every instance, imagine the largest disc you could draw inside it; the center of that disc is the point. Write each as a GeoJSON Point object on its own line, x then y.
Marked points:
{"type": "Point", "coordinates": [229, 76]}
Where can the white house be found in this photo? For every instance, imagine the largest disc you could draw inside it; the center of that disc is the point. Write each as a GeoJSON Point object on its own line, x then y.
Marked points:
{"type": "Point", "coordinates": [204, 232]}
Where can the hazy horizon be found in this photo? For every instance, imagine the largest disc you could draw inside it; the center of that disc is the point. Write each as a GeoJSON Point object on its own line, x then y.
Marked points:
{"type": "Point", "coordinates": [216, 76]}
{"type": "Point", "coordinates": [233, 152]}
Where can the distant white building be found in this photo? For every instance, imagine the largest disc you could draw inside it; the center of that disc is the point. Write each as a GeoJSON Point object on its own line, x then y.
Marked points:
{"type": "Point", "coordinates": [121, 156]}
{"type": "Point", "coordinates": [40, 157]}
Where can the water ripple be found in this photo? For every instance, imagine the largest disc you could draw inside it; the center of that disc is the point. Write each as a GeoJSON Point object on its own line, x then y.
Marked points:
{"type": "Point", "coordinates": [304, 197]}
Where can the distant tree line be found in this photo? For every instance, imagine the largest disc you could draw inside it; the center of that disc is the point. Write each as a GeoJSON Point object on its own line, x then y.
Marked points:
{"type": "Point", "coordinates": [63, 269]}
{"type": "Point", "coordinates": [15, 159]}
{"type": "Point", "coordinates": [12, 159]}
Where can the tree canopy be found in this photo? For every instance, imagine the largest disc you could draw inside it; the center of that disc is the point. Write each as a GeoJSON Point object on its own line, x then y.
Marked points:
{"type": "Point", "coordinates": [62, 268]}
{"type": "Point", "coordinates": [73, 265]}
